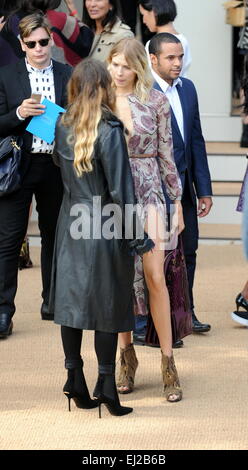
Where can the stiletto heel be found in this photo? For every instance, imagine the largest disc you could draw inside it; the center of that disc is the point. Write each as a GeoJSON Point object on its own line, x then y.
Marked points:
{"type": "Point", "coordinates": [241, 302]}
{"type": "Point", "coordinates": [76, 388]}
{"type": "Point", "coordinates": [106, 392]}
{"type": "Point", "coordinates": [114, 408]}
{"type": "Point", "coordinates": [69, 399]}
{"type": "Point", "coordinates": [241, 316]}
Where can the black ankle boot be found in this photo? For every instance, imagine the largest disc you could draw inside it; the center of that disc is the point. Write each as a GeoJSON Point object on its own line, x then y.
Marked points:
{"type": "Point", "coordinates": [76, 388]}
{"type": "Point", "coordinates": [106, 391]}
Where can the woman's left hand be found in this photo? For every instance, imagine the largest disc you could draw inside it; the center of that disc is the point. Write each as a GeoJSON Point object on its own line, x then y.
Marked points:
{"type": "Point", "coordinates": [179, 216]}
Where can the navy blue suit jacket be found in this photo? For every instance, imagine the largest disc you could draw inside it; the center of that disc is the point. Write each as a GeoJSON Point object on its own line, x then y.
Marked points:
{"type": "Point", "coordinates": [190, 154]}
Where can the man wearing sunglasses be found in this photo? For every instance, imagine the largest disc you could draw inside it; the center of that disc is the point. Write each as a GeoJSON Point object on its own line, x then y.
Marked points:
{"type": "Point", "coordinates": [36, 74]}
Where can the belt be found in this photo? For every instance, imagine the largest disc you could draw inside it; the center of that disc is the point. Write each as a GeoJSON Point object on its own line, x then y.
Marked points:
{"type": "Point", "coordinates": [143, 155]}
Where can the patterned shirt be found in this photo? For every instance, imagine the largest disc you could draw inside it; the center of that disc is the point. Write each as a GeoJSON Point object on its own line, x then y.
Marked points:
{"type": "Point", "coordinates": [41, 82]}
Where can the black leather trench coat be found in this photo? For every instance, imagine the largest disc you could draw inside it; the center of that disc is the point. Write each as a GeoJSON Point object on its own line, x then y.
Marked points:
{"type": "Point", "coordinates": [92, 278]}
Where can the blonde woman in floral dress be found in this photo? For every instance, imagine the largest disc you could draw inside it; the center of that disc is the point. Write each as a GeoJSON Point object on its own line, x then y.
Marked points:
{"type": "Point", "coordinates": [145, 113]}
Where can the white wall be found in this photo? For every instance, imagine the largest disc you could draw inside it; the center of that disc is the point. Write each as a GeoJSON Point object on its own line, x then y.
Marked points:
{"type": "Point", "coordinates": [203, 23]}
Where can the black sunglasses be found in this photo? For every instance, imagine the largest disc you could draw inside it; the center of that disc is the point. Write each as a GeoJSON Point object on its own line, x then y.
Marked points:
{"type": "Point", "coordinates": [32, 44]}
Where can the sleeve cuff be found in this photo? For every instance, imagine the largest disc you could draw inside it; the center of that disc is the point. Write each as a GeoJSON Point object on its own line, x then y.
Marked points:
{"type": "Point", "coordinates": [18, 114]}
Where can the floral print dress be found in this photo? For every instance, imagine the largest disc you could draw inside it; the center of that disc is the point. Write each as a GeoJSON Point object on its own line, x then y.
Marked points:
{"type": "Point", "coordinates": [152, 136]}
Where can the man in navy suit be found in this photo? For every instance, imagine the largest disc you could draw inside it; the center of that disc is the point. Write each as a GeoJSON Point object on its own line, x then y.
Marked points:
{"type": "Point", "coordinates": [166, 53]}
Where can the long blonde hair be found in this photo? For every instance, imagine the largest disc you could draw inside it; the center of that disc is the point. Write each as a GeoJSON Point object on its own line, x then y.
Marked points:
{"type": "Point", "coordinates": [135, 55]}
{"type": "Point", "coordinates": [89, 92]}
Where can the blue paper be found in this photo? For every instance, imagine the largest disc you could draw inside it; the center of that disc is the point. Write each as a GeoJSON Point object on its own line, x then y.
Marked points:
{"type": "Point", "coordinates": [43, 126]}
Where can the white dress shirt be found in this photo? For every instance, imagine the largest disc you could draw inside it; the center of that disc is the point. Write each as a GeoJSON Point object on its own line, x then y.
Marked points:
{"type": "Point", "coordinates": [173, 97]}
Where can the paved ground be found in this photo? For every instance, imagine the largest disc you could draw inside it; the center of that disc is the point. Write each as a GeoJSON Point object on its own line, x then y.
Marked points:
{"type": "Point", "coordinates": [213, 369]}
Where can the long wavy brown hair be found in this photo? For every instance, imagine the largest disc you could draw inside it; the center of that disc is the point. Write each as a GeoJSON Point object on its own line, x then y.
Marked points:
{"type": "Point", "coordinates": [89, 95]}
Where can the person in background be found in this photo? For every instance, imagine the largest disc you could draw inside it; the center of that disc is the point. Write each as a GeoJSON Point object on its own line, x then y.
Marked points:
{"type": "Point", "coordinates": [35, 73]}
{"type": "Point", "coordinates": [93, 276]}
{"type": "Point", "coordinates": [72, 38]}
{"type": "Point", "coordinates": [146, 117]}
{"type": "Point", "coordinates": [158, 15]}
{"type": "Point", "coordinates": [10, 49]}
{"type": "Point", "coordinates": [101, 17]}
{"type": "Point", "coordinates": [8, 7]}
{"type": "Point", "coordinates": [245, 224]}
{"type": "Point", "coordinates": [241, 316]}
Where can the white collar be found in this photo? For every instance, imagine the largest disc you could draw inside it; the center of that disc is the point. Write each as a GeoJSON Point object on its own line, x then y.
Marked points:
{"type": "Point", "coordinates": [31, 69]}
{"type": "Point", "coordinates": [163, 84]}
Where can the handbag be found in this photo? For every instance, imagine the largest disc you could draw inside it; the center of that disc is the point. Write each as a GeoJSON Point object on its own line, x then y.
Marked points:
{"type": "Point", "coordinates": [177, 284]}
{"type": "Point", "coordinates": [10, 158]}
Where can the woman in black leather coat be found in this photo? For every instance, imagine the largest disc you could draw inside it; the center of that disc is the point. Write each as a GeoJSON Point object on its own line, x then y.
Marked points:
{"type": "Point", "coordinates": [93, 268]}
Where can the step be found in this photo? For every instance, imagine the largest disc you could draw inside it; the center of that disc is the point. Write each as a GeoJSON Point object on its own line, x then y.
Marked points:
{"type": "Point", "coordinates": [227, 167]}
{"type": "Point", "coordinates": [227, 161]}
{"type": "Point", "coordinates": [226, 188]}
{"type": "Point", "coordinates": [225, 148]}
{"type": "Point", "coordinates": [220, 231]}
{"type": "Point", "coordinates": [223, 211]}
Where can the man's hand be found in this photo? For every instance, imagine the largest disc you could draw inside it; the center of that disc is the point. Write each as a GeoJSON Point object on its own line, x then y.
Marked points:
{"type": "Point", "coordinates": [30, 107]}
{"type": "Point", "coordinates": [204, 206]}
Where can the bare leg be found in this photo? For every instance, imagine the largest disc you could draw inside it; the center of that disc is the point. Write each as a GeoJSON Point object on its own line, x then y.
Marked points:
{"type": "Point", "coordinates": [153, 263]}
{"type": "Point", "coordinates": [124, 339]}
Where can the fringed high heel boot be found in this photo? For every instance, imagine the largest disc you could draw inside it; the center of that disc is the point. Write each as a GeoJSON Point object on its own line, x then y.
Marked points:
{"type": "Point", "coordinates": [129, 364]}
{"type": "Point", "coordinates": [170, 379]}
{"type": "Point", "coordinates": [106, 391]}
{"type": "Point", "coordinates": [76, 388]}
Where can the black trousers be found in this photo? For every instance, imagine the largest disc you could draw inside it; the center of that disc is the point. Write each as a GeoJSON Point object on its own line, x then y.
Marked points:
{"type": "Point", "coordinates": [190, 237]}
{"type": "Point", "coordinates": [42, 179]}
{"type": "Point", "coordinates": [105, 345]}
